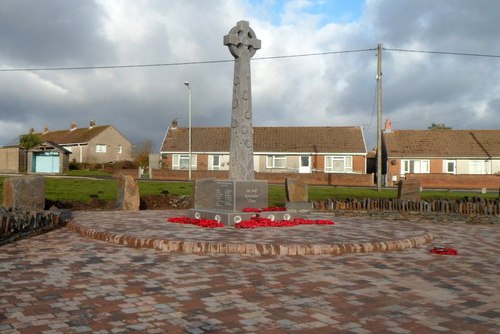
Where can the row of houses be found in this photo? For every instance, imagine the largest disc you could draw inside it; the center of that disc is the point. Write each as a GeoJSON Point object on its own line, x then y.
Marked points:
{"type": "Point", "coordinates": [318, 155]}
{"type": "Point", "coordinates": [339, 156]}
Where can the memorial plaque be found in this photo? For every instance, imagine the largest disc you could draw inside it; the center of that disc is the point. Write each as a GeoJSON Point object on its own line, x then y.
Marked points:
{"type": "Point", "coordinates": [250, 194]}
{"type": "Point", "coordinates": [224, 195]}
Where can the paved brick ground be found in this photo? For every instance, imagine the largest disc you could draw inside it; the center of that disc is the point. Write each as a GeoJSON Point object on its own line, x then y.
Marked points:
{"type": "Point", "coordinates": [61, 282]}
{"type": "Point", "coordinates": [149, 229]}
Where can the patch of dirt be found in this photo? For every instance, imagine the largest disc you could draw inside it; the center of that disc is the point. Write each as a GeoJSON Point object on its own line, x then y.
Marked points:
{"type": "Point", "coordinates": [148, 202]}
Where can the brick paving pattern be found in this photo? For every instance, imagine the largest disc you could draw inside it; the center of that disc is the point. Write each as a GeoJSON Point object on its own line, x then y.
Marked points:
{"type": "Point", "coordinates": [61, 282]}
{"type": "Point", "coordinates": [153, 232]}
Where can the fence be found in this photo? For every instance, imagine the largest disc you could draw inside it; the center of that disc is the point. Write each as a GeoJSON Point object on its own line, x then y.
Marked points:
{"type": "Point", "coordinates": [18, 223]}
{"type": "Point", "coordinates": [471, 206]}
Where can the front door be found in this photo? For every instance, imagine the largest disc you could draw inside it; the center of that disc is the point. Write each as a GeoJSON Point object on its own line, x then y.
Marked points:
{"type": "Point", "coordinates": [305, 164]}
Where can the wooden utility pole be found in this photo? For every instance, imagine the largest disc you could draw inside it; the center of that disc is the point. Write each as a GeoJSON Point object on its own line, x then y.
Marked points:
{"type": "Point", "coordinates": [379, 117]}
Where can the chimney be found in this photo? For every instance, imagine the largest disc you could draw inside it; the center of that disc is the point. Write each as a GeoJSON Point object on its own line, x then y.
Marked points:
{"type": "Point", "coordinates": [174, 124]}
{"type": "Point", "coordinates": [45, 130]}
{"type": "Point", "coordinates": [72, 126]}
{"type": "Point", "coordinates": [388, 126]}
{"type": "Point", "coordinates": [91, 123]}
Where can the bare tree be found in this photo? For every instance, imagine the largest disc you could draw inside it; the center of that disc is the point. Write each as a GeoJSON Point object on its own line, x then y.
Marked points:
{"type": "Point", "coordinates": [141, 153]}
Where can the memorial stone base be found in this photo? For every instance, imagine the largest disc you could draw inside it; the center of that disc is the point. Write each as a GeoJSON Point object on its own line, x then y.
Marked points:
{"type": "Point", "coordinates": [303, 207]}
{"type": "Point", "coordinates": [224, 201]}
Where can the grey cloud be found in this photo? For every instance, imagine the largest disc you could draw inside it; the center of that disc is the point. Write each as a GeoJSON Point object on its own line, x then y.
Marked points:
{"type": "Point", "coordinates": [53, 33]}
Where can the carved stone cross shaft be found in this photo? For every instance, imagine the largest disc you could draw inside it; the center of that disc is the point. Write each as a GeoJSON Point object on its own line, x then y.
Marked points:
{"type": "Point", "coordinates": [242, 44]}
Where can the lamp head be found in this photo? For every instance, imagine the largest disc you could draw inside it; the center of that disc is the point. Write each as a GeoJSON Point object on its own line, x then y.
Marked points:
{"type": "Point", "coordinates": [186, 83]}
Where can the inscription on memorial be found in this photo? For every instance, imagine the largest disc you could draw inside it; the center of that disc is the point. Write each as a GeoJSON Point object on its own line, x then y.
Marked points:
{"type": "Point", "coordinates": [252, 195]}
{"type": "Point", "coordinates": [224, 195]}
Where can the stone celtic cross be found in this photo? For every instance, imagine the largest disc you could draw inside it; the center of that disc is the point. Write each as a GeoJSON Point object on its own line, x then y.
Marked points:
{"type": "Point", "coordinates": [242, 44]}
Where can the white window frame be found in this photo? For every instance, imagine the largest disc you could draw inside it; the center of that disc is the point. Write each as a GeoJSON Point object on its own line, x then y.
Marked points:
{"type": "Point", "coordinates": [415, 166]}
{"type": "Point", "coordinates": [101, 148]}
{"type": "Point", "coordinates": [119, 148]}
{"type": "Point", "coordinates": [331, 161]}
{"type": "Point", "coordinates": [216, 166]}
{"type": "Point", "coordinates": [276, 161]}
{"type": "Point", "coordinates": [181, 161]}
{"type": "Point", "coordinates": [447, 164]}
{"type": "Point", "coordinates": [477, 165]}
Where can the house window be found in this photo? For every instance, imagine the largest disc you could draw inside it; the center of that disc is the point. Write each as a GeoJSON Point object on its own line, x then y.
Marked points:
{"type": "Point", "coordinates": [477, 167]}
{"type": "Point", "coordinates": [181, 161]}
{"type": "Point", "coordinates": [450, 166]}
{"type": "Point", "coordinates": [415, 166]}
{"type": "Point", "coordinates": [119, 149]}
{"type": "Point", "coordinates": [100, 148]}
{"type": "Point", "coordinates": [276, 161]}
{"type": "Point", "coordinates": [338, 164]}
{"type": "Point", "coordinates": [216, 161]}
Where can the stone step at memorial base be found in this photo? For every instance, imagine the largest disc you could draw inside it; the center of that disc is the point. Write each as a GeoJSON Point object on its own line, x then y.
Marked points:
{"type": "Point", "coordinates": [302, 207]}
{"type": "Point", "coordinates": [230, 218]}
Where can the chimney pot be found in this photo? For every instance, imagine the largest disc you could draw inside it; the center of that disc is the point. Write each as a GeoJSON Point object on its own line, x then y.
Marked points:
{"type": "Point", "coordinates": [388, 125]}
{"type": "Point", "coordinates": [92, 123]}
{"type": "Point", "coordinates": [174, 124]}
{"type": "Point", "coordinates": [72, 126]}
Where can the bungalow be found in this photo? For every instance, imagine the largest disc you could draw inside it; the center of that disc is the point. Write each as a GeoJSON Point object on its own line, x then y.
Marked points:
{"type": "Point", "coordinates": [443, 158]}
{"type": "Point", "coordinates": [95, 144]}
{"type": "Point", "coordinates": [277, 150]}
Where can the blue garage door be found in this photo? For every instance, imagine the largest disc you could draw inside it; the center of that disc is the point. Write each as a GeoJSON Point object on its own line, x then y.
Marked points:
{"type": "Point", "coordinates": [46, 162]}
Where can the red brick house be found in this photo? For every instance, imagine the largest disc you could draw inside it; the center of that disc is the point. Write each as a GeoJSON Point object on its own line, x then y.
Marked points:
{"type": "Point", "coordinates": [443, 158]}
{"type": "Point", "coordinates": [318, 154]}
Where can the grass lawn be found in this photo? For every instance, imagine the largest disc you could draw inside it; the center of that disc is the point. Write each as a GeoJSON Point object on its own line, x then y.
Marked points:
{"type": "Point", "coordinates": [81, 189]}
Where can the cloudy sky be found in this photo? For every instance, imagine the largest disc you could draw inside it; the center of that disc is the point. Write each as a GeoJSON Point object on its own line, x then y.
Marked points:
{"type": "Point", "coordinates": [331, 89]}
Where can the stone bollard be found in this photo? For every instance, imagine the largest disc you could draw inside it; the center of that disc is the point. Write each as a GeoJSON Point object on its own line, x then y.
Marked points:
{"type": "Point", "coordinates": [24, 192]}
{"type": "Point", "coordinates": [128, 198]}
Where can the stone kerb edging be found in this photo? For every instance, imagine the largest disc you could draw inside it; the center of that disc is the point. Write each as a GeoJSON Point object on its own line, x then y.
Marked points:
{"type": "Point", "coordinates": [257, 249]}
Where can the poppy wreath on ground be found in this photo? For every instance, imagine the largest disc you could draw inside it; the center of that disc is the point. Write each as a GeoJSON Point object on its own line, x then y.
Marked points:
{"type": "Point", "coordinates": [444, 251]}
{"type": "Point", "coordinates": [198, 222]}
{"type": "Point", "coordinates": [257, 221]}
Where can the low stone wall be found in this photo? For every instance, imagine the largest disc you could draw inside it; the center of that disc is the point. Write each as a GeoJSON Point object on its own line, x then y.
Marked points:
{"type": "Point", "coordinates": [457, 181]}
{"type": "Point", "coordinates": [334, 179]}
{"type": "Point", "coordinates": [473, 210]}
{"type": "Point", "coordinates": [17, 223]}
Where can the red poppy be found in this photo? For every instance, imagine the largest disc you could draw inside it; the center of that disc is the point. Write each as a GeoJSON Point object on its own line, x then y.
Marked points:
{"type": "Point", "coordinates": [198, 222]}
{"type": "Point", "coordinates": [444, 251]}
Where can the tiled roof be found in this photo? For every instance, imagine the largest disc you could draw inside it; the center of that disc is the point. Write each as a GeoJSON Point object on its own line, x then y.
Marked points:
{"type": "Point", "coordinates": [271, 139]}
{"type": "Point", "coordinates": [78, 135]}
{"type": "Point", "coordinates": [48, 145]}
{"type": "Point", "coordinates": [443, 143]}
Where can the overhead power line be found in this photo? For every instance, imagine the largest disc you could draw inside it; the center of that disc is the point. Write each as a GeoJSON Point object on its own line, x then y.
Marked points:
{"type": "Point", "coordinates": [35, 69]}
{"type": "Point", "coordinates": [445, 53]}
{"type": "Point", "coordinates": [174, 64]}
{"type": "Point", "coordinates": [111, 66]}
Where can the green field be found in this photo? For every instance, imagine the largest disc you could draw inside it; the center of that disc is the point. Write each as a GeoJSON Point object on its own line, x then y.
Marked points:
{"type": "Point", "coordinates": [85, 189]}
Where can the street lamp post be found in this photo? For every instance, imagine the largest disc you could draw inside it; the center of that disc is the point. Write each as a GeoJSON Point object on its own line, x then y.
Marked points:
{"type": "Point", "coordinates": [188, 85]}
